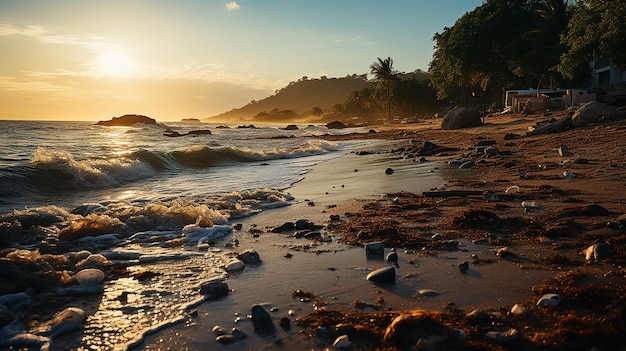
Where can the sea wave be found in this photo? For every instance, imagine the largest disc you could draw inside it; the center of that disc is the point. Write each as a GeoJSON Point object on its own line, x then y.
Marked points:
{"type": "Point", "coordinates": [205, 156]}
{"type": "Point", "coordinates": [90, 172]}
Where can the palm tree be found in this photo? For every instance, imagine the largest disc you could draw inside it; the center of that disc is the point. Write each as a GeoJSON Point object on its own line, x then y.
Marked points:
{"type": "Point", "coordinates": [385, 75]}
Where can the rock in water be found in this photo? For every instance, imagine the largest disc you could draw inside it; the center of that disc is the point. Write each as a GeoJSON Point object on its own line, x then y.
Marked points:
{"type": "Point", "coordinates": [383, 275]}
{"type": "Point", "coordinates": [250, 257]}
{"type": "Point", "coordinates": [262, 321]}
{"type": "Point", "coordinates": [69, 319]}
{"type": "Point", "coordinates": [89, 277]}
{"type": "Point", "coordinates": [225, 339]}
{"type": "Point", "coordinates": [214, 290]}
{"type": "Point", "coordinates": [235, 265]}
{"type": "Point", "coordinates": [392, 257]}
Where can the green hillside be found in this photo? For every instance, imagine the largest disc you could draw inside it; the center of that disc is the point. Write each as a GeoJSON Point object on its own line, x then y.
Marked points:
{"type": "Point", "coordinates": [299, 101]}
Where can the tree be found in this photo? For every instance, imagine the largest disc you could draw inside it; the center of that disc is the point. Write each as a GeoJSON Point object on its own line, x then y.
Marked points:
{"type": "Point", "coordinates": [385, 75]}
{"type": "Point", "coordinates": [596, 27]}
{"type": "Point", "coordinates": [544, 39]}
{"type": "Point", "coordinates": [483, 49]}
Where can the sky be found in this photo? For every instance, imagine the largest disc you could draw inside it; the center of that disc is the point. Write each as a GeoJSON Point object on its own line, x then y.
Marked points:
{"type": "Point", "coordinates": [171, 59]}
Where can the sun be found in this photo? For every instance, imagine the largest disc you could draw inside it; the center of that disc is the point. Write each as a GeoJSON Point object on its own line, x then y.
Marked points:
{"type": "Point", "coordinates": [114, 64]}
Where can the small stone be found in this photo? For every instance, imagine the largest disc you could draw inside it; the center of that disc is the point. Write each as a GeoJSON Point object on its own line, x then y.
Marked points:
{"type": "Point", "coordinates": [549, 300]}
{"type": "Point", "coordinates": [235, 265]}
{"type": "Point", "coordinates": [262, 321]}
{"type": "Point", "coordinates": [342, 342]}
{"type": "Point", "coordinates": [428, 292]}
{"type": "Point", "coordinates": [225, 339]}
{"type": "Point", "coordinates": [249, 257]}
{"type": "Point", "coordinates": [285, 323]}
{"type": "Point", "coordinates": [238, 333]}
{"type": "Point", "coordinates": [214, 290]}
{"type": "Point", "coordinates": [392, 257]}
{"type": "Point", "coordinates": [219, 330]}
{"type": "Point", "coordinates": [467, 165]}
{"type": "Point", "coordinates": [503, 337]}
{"type": "Point", "coordinates": [389, 171]}
{"type": "Point", "coordinates": [464, 266]}
{"type": "Point", "coordinates": [518, 309]}
{"type": "Point", "coordinates": [383, 275]}
{"type": "Point", "coordinates": [563, 152]}
{"type": "Point", "coordinates": [598, 252]}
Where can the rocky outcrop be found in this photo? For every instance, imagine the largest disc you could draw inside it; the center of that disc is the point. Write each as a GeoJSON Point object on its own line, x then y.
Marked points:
{"type": "Point", "coordinates": [127, 120]}
{"type": "Point", "coordinates": [336, 125]}
{"type": "Point", "coordinates": [461, 117]}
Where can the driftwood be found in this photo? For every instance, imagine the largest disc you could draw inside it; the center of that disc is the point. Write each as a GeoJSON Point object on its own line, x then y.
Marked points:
{"type": "Point", "coordinates": [553, 127]}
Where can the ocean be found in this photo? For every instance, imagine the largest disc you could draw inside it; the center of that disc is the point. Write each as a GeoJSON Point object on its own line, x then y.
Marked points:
{"type": "Point", "coordinates": [68, 164]}
{"type": "Point", "coordinates": [132, 197]}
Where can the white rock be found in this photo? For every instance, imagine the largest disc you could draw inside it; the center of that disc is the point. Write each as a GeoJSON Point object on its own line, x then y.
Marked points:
{"type": "Point", "coordinates": [235, 265]}
{"type": "Point", "coordinates": [428, 292]}
{"type": "Point", "coordinates": [512, 189]}
{"type": "Point", "coordinates": [342, 342]}
{"type": "Point", "coordinates": [518, 309]}
{"type": "Point", "coordinates": [549, 300]}
{"type": "Point", "coordinates": [530, 204]}
{"type": "Point", "coordinates": [89, 277]}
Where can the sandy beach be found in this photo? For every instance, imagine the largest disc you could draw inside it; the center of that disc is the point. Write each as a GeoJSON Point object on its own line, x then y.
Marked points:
{"type": "Point", "coordinates": [519, 245]}
{"type": "Point", "coordinates": [504, 240]}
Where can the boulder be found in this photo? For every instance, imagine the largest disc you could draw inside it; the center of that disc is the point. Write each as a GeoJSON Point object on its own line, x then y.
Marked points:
{"type": "Point", "coordinates": [461, 117]}
{"type": "Point", "coordinates": [593, 112]}
{"type": "Point", "coordinates": [336, 125]}
{"type": "Point", "coordinates": [291, 127]}
{"type": "Point", "coordinates": [127, 120]}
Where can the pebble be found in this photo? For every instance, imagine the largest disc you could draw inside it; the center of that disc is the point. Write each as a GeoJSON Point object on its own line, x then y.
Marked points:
{"type": "Point", "coordinates": [225, 339]}
{"type": "Point", "coordinates": [219, 330]}
{"type": "Point", "coordinates": [342, 342]}
{"type": "Point", "coordinates": [518, 309]}
{"type": "Point", "coordinates": [235, 265]}
{"type": "Point", "coordinates": [428, 292]}
{"type": "Point", "coordinates": [598, 252]}
{"type": "Point", "coordinates": [549, 300]}
{"type": "Point", "coordinates": [383, 275]}
{"type": "Point", "coordinates": [89, 277]}
{"type": "Point", "coordinates": [463, 267]}
{"type": "Point", "coordinates": [262, 321]}
{"type": "Point", "coordinates": [238, 333]}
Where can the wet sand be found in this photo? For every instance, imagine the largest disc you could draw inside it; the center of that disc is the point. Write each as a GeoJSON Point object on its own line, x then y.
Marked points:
{"type": "Point", "coordinates": [356, 188]}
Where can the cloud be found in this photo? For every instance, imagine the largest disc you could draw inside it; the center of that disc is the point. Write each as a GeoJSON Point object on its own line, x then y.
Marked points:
{"type": "Point", "coordinates": [230, 6]}
{"type": "Point", "coordinates": [29, 31]}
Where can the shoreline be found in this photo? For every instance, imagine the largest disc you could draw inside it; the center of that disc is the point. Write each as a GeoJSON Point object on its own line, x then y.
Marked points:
{"type": "Point", "coordinates": [515, 246]}
{"type": "Point", "coordinates": [532, 263]}
{"type": "Point", "coordinates": [548, 257]}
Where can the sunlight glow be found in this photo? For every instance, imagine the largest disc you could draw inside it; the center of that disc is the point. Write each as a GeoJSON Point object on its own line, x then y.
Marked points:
{"type": "Point", "coordinates": [114, 64]}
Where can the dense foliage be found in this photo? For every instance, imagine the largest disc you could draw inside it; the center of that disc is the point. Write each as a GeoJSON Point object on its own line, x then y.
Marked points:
{"type": "Point", "coordinates": [526, 44]}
